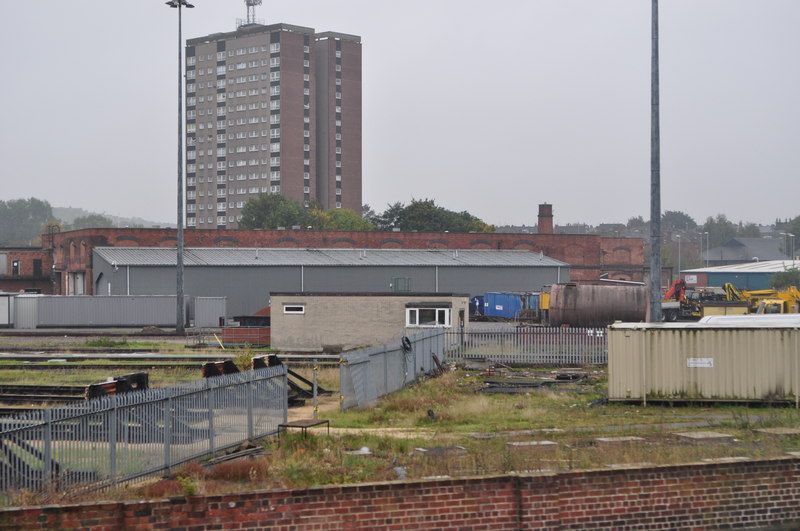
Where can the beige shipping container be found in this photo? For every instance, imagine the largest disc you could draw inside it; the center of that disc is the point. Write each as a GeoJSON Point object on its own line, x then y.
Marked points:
{"type": "Point", "coordinates": [693, 361]}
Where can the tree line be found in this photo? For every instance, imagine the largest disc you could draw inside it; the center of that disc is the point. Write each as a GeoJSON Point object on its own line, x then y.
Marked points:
{"type": "Point", "coordinates": [22, 221]}
{"type": "Point", "coordinates": [271, 211]}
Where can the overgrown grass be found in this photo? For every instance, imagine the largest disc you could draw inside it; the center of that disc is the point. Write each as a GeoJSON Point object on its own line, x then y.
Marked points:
{"type": "Point", "coordinates": [451, 409]}
{"type": "Point", "coordinates": [76, 376]}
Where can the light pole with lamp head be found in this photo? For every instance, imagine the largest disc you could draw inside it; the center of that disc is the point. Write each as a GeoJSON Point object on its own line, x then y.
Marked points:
{"type": "Point", "coordinates": [179, 314]}
{"type": "Point", "coordinates": [679, 254]}
{"type": "Point", "coordinates": [708, 244]}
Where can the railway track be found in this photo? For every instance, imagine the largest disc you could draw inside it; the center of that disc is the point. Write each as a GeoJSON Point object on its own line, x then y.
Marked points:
{"type": "Point", "coordinates": [41, 394]}
{"type": "Point", "coordinates": [152, 357]}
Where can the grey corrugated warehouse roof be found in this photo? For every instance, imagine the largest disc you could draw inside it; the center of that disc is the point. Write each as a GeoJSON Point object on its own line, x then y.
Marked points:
{"type": "Point", "coordinates": [768, 266]}
{"type": "Point", "coordinates": [226, 256]}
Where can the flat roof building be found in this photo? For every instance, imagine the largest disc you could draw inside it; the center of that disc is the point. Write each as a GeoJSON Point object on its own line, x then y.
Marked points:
{"type": "Point", "coordinates": [248, 276]}
{"type": "Point", "coordinates": [750, 275]}
{"type": "Point", "coordinates": [343, 321]}
{"type": "Point", "coordinates": [271, 109]}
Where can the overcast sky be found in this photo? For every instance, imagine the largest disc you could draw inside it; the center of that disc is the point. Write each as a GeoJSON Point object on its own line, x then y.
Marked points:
{"type": "Point", "coordinates": [492, 107]}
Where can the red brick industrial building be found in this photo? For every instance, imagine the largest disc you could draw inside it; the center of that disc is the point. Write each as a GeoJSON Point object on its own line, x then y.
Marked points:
{"type": "Point", "coordinates": [26, 269]}
{"type": "Point", "coordinates": [68, 268]}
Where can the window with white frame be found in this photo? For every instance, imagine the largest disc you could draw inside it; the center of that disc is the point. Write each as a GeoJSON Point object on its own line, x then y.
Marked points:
{"type": "Point", "coordinates": [275, 47]}
{"type": "Point", "coordinates": [428, 317]}
{"type": "Point", "coordinates": [294, 309]}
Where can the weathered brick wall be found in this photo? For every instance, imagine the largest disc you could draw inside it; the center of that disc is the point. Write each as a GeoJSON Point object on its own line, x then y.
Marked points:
{"type": "Point", "coordinates": [26, 279]}
{"type": "Point", "coordinates": [740, 494]}
{"type": "Point", "coordinates": [588, 255]}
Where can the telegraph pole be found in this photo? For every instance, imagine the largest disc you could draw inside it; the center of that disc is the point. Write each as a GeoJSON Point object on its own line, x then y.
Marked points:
{"type": "Point", "coordinates": [655, 177]}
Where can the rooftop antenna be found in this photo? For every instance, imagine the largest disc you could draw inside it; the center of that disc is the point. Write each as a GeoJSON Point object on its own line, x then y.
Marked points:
{"type": "Point", "coordinates": [251, 14]}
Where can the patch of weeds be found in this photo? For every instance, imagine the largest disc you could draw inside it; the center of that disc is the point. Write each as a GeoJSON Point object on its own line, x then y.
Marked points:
{"type": "Point", "coordinates": [106, 342]}
{"type": "Point", "coordinates": [162, 489]}
{"type": "Point", "coordinates": [244, 358]}
{"type": "Point", "coordinates": [187, 485]}
{"type": "Point", "coordinates": [240, 470]}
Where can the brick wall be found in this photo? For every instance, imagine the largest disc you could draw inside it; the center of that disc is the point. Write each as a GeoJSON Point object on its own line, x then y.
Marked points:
{"type": "Point", "coordinates": [25, 278]}
{"type": "Point", "coordinates": [588, 255]}
{"type": "Point", "coordinates": [740, 494]}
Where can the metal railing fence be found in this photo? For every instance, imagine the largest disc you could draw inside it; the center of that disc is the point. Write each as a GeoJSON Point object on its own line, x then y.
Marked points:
{"type": "Point", "coordinates": [370, 373]}
{"type": "Point", "coordinates": [530, 345]}
{"type": "Point", "coordinates": [118, 438]}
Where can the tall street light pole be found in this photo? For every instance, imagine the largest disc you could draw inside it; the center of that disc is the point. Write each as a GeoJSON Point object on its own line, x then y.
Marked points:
{"type": "Point", "coordinates": [679, 254]}
{"type": "Point", "coordinates": [708, 244]}
{"type": "Point", "coordinates": [655, 176]}
{"type": "Point", "coordinates": [179, 316]}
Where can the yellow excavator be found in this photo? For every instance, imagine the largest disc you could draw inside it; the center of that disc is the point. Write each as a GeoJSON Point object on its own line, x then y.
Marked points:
{"type": "Point", "coordinates": [766, 301]}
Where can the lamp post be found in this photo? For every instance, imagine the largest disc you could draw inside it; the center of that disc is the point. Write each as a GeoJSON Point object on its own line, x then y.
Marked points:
{"type": "Point", "coordinates": [791, 240]}
{"type": "Point", "coordinates": [179, 317]}
{"type": "Point", "coordinates": [655, 173]}
{"type": "Point", "coordinates": [708, 244]}
{"type": "Point", "coordinates": [679, 254]}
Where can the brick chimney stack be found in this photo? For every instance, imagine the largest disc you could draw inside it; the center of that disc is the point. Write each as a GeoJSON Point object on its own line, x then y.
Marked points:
{"type": "Point", "coordinates": [545, 218]}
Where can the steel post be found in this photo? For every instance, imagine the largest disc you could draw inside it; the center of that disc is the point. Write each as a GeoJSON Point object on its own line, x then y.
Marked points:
{"type": "Point", "coordinates": [47, 454]}
{"type": "Point", "coordinates": [112, 443]}
{"type": "Point", "coordinates": [655, 176]}
{"type": "Point", "coordinates": [167, 433]}
{"type": "Point", "coordinates": [179, 315]}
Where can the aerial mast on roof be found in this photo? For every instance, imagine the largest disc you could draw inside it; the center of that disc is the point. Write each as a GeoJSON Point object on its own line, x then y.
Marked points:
{"type": "Point", "coordinates": [251, 14]}
{"type": "Point", "coordinates": [251, 10]}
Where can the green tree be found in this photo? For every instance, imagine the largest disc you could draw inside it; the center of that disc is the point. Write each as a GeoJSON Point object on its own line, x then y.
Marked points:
{"type": "Point", "coordinates": [675, 220]}
{"type": "Point", "coordinates": [390, 218]}
{"type": "Point", "coordinates": [338, 219]}
{"type": "Point", "coordinates": [637, 222]}
{"type": "Point", "coordinates": [793, 227]}
{"type": "Point", "coordinates": [720, 229]}
{"type": "Point", "coordinates": [370, 215]}
{"type": "Point", "coordinates": [748, 230]}
{"type": "Point", "coordinates": [22, 220]}
{"type": "Point", "coordinates": [784, 279]}
{"type": "Point", "coordinates": [426, 215]}
{"type": "Point", "coordinates": [92, 221]}
{"type": "Point", "coordinates": [270, 211]}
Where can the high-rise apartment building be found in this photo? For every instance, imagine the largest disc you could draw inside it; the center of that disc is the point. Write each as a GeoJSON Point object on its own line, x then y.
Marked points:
{"type": "Point", "coordinates": [271, 109]}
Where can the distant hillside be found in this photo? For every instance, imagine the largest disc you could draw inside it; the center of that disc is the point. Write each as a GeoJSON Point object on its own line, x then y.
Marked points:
{"type": "Point", "coordinates": [69, 214]}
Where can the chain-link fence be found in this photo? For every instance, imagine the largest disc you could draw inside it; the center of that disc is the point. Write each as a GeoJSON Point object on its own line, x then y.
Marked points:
{"type": "Point", "coordinates": [530, 345]}
{"type": "Point", "coordinates": [370, 373]}
{"type": "Point", "coordinates": [118, 438]}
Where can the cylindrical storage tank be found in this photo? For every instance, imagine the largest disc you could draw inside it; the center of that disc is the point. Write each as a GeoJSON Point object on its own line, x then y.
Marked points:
{"type": "Point", "coordinates": [593, 305]}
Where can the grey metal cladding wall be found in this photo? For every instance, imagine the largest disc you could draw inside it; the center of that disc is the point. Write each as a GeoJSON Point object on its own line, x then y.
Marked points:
{"type": "Point", "coordinates": [365, 279]}
{"type": "Point", "coordinates": [478, 280]}
{"type": "Point", "coordinates": [25, 312]}
{"type": "Point", "coordinates": [7, 310]}
{"type": "Point", "coordinates": [208, 310]}
{"type": "Point", "coordinates": [246, 288]}
{"type": "Point", "coordinates": [106, 311]}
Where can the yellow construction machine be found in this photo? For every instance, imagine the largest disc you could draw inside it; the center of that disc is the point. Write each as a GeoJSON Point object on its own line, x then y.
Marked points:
{"type": "Point", "coordinates": [766, 301]}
